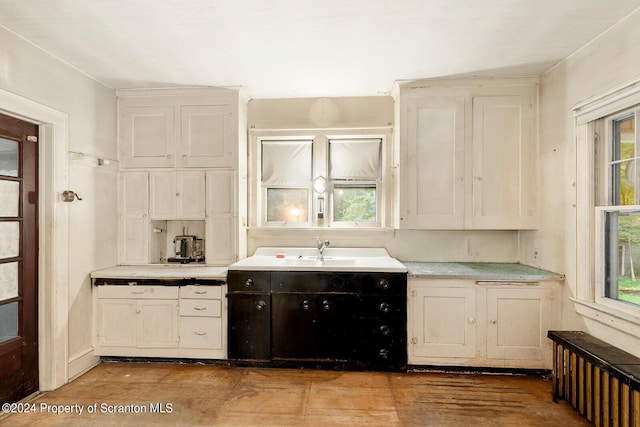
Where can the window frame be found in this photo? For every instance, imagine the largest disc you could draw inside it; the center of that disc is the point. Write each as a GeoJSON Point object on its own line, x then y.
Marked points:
{"type": "Point", "coordinates": [320, 161]}
{"type": "Point", "coordinates": [593, 125]}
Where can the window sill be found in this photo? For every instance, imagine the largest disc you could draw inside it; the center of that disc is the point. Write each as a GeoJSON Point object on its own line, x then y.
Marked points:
{"type": "Point", "coordinates": [622, 320]}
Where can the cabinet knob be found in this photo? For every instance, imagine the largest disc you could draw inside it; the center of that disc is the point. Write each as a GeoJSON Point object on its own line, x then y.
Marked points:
{"type": "Point", "coordinates": [472, 320]}
{"type": "Point", "coordinates": [384, 353]}
{"type": "Point", "coordinates": [384, 284]}
{"type": "Point", "coordinates": [260, 305]}
{"type": "Point", "coordinates": [384, 307]}
{"type": "Point", "coordinates": [493, 321]}
{"type": "Point", "coordinates": [248, 283]}
{"type": "Point", "coordinates": [326, 305]}
{"type": "Point", "coordinates": [306, 305]}
{"type": "Point", "coordinates": [384, 330]}
{"type": "Point", "coordinates": [168, 156]}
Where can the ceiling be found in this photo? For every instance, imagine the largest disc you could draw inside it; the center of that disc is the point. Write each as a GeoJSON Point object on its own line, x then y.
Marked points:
{"type": "Point", "coordinates": [304, 48]}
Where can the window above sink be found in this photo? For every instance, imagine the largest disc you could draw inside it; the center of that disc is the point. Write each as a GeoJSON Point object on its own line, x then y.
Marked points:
{"type": "Point", "coordinates": [321, 178]}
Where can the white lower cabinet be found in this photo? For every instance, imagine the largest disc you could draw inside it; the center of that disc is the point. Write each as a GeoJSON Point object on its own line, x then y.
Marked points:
{"type": "Point", "coordinates": [201, 322]}
{"type": "Point", "coordinates": [482, 324]}
{"type": "Point", "coordinates": [160, 321]}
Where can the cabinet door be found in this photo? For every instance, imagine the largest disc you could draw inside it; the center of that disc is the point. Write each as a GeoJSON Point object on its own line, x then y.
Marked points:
{"type": "Point", "coordinates": [517, 323]}
{"type": "Point", "coordinates": [313, 326]}
{"type": "Point", "coordinates": [442, 323]}
{"type": "Point", "coordinates": [249, 334]}
{"type": "Point", "coordinates": [157, 324]}
{"type": "Point", "coordinates": [503, 159]}
{"type": "Point", "coordinates": [147, 136]}
{"type": "Point", "coordinates": [116, 323]}
{"type": "Point", "coordinates": [433, 164]}
{"type": "Point", "coordinates": [207, 136]}
{"type": "Point", "coordinates": [134, 220]}
{"type": "Point", "coordinates": [220, 241]}
{"type": "Point", "coordinates": [162, 195]}
{"type": "Point", "coordinates": [191, 195]}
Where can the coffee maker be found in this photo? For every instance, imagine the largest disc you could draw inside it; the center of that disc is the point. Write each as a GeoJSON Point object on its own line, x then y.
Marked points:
{"type": "Point", "coordinates": [187, 248]}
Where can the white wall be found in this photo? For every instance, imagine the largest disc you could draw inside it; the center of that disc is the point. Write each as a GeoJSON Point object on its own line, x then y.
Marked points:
{"type": "Point", "coordinates": [608, 61]}
{"type": "Point", "coordinates": [29, 72]}
{"type": "Point", "coordinates": [406, 245]}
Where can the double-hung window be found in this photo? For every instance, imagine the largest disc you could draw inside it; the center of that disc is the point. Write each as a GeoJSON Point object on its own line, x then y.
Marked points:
{"type": "Point", "coordinates": [286, 181]}
{"type": "Point", "coordinates": [354, 174]}
{"type": "Point", "coordinates": [619, 206]}
{"type": "Point", "coordinates": [321, 180]}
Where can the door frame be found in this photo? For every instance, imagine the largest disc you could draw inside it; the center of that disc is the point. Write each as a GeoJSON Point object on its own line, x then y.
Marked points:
{"type": "Point", "coordinates": [53, 240]}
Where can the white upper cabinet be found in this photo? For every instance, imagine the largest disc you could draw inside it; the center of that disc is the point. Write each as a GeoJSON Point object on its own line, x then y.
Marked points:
{"type": "Point", "coordinates": [467, 155]}
{"type": "Point", "coordinates": [134, 220]}
{"type": "Point", "coordinates": [434, 193]}
{"type": "Point", "coordinates": [147, 135]}
{"type": "Point", "coordinates": [503, 148]}
{"type": "Point", "coordinates": [221, 217]}
{"type": "Point", "coordinates": [207, 136]}
{"type": "Point", "coordinates": [177, 195]}
{"type": "Point", "coordinates": [177, 128]}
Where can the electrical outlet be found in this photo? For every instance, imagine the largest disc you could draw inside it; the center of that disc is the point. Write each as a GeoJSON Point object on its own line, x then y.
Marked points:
{"type": "Point", "coordinates": [536, 254]}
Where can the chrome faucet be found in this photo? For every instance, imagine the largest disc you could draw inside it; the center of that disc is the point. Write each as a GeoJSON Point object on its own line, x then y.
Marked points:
{"type": "Point", "coordinates": [322, 245]}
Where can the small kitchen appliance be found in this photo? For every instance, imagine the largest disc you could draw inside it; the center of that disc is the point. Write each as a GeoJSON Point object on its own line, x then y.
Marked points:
{"type": "Point", "coordinates": [188, 248]}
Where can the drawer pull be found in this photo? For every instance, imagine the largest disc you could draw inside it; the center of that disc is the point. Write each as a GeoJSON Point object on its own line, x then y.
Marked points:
{"type": "Point", "coordinates": [384, 330]}
{"type": "Point", "coordinates": [306, 305]}
{"type": "Point", "coordinates": [200, 308]}
{"type": "Point", "coordinates": [326, 305]}
{"type": "Point", "coordinates": [384, 353]}
{"type": "Point", "coordinates": [384, 307]}
{"type": "Point", "coordinates": [200, 333]}
{"type": "Point", "coordinates": [200, 292]}
{"type": "Point", "coordinates": [384, 284]}
{"type": "Point", "coordinates": [260, 305]}
{"type": "Point", "coordinates": [248, 283]}
{"type": "Point", "coordinates": [132, 283]}
{"type": "Point", "coordinates": [141, 292]}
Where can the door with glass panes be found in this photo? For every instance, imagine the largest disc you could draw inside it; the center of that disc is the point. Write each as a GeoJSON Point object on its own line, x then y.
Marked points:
{"type": "Point", "coordinates": [18, 258]}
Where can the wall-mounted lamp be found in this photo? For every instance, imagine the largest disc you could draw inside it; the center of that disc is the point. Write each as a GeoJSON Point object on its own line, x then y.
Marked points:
{"type": "Point", "coordinates": [320, 185]}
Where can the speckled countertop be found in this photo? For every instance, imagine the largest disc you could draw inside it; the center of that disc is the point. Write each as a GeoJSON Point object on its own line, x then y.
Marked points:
{"type": "Point", "coordinates": [479, 271]}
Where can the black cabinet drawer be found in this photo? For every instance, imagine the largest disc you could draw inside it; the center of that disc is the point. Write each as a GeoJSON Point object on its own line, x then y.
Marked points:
{"type": "Point", "coordinates": [383, 307]}
{"type": "Point", "coordinates": [249, 281]}
{"type": "Point", "coordinates": [383, 283]}
{"type": "Point", "coordinates": [382, 355]}
{"type": "Point", "coordinates": [315, 282]}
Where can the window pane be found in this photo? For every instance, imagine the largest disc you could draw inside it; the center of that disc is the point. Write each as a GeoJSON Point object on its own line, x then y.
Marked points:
{"type": "Point", "coordinates": [8, 280]}
{"type": "Point", "coordinates": [357, 204]}
{"type": "Point", "coordinates": [354, 159]}
{"type": "Point", "coordinates": [286, 162]}
{"type": "Point", "coordinates": [625, 136]}
{"type": "Point", "coordinates": [624, 163]}
{"type": "Point", "coordinates": [287, 204]}
{"type": "Point", "coordinates": [625, 183]}
{"type": "Point", "coordinates": [9, 198]}
{"type": "Point", "coordinates": [8, 321]}
{"type": "Point", "coordinates": [8, 157]}
{"type": "Point", "coordinates": [9, 239]}
{"type": "Point", "coordinates": [622, 252]}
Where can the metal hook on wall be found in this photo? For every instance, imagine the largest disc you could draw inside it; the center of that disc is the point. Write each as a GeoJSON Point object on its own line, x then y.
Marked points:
{"type": "Point", "coordinates": [70, 196]}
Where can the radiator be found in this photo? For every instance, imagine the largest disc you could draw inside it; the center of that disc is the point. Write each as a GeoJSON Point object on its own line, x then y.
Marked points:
{"type": "Point", "coordinates": [603, 391]}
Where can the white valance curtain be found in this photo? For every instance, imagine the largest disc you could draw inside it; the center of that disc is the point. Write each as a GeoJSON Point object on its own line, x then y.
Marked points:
{"type": "Point", "coordinates": [286, 163]}
{"type": "Point", "coordinates": [354, 159]}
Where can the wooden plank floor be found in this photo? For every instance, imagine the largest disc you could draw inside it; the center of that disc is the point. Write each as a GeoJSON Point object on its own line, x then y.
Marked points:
{"type": "Point", "coordinates": [222, 396]}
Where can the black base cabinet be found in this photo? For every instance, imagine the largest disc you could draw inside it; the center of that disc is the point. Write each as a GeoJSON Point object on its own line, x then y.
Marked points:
{"type": "Point", "coordinates": [326, 319]}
